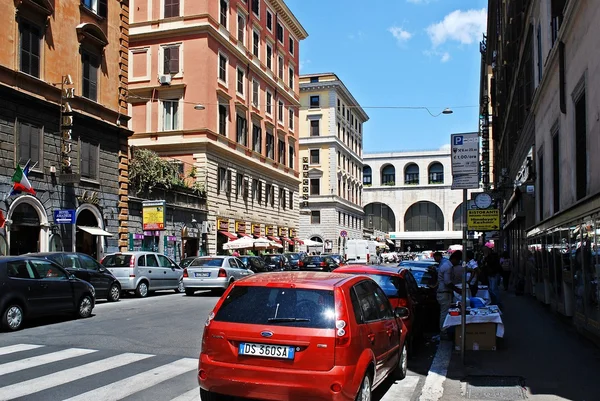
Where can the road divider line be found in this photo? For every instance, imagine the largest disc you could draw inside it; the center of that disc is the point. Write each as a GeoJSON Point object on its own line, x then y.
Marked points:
{"type": "Point", "coordinates": [142, 381]}
{"type": "Point", "coordinates": [10, 349]}
{"type": "Point", "coordinates": [41, 383]}
{"type": "Point", "coordinates": [39, 360]}
{"type": "Point", "coordinates": [433, 389]}
{"type": "Point", "coordinates": [192, 395]}
{"type": "Point", "coordinates": [402, 390]}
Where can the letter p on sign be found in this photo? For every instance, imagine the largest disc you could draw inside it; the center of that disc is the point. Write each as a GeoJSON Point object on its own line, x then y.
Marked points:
{"type": "Point", "coordinates": [458, 140]}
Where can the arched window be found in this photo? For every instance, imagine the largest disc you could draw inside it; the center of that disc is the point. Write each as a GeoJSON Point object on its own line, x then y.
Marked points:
{"type": "Point", "coordinates": [436, 173]}
{"type": "Point", "coordinates": [411, 174]}
{"type": "Point", "coordinates": [457, 218]}
{"type": "Point", "coordinates": [379, 216]}
{"type": "Point", "coordinates": [388, 175]}
{"type": "Point", "coordinates": [367, 175]}
{"type": "Point", "coordinates": [424, 216]}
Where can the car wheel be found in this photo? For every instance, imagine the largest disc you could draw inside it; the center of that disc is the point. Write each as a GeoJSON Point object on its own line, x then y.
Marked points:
{"type": "Point", "coordinates": [189, 292]}
{"type": "Point", "coordinates": [401, 369]}
{"type": "Point", "coordinates": [114, 293]}
{"type": "Point", "coordinates": [180, 288]}
{"type": "Point", "coordinates": [364, 392]}
{"type": "Point", "coordinates": [12, 318]}
{"type": "Point", "coordinates": [142, 290]}
{"type": "Point", "coordinates": [210, 396]}
{"type": "Point", "coordinates": [84, 309]}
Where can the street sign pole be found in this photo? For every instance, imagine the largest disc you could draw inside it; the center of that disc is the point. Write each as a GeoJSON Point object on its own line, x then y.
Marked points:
{"type": "Point", "coordinates": [463, 305]}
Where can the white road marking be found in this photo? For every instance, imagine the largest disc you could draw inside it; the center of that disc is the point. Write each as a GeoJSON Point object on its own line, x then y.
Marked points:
{"type": "Point", "coordinates": [433, 389]}
{"type": "Point", "coordinates": [18, 348]}
{"type": "Point", "coordinates": [402, 390]}
{"type": "Point", "coordinates": [68, 375]}
{"type": "Point", "coordinates": [192, 395]}
{"type": "Point", "coordinates": [34, 361]}
{"type": "Point", "coordinates": [142, 381]}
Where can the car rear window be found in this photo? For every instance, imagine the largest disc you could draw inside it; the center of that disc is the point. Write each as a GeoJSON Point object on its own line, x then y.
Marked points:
{"type": "Point", "coordinates": [295, 307]}
{"type": "Point", "coordinates": [208, 262]}
{"type": "Point", "coordinates": [392, 286]}
{"type": "Point", "coordinates": [293, 256]}
{"type": "Point", "coordinates": [423, 277]}
{"type": "Point", "coordinates": [185, 262]}
{"type": "Point", "coordinates": [274, 258]}
{"type": "Point", "coordinates": [116, 261]}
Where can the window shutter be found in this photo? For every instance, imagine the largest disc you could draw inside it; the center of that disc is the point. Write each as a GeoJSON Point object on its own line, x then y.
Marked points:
{"type": "Point", "coordinates": [103, 8]}
{"type": "Point", "coordinates": [24, 141]}
{"type": "Point", "coordinates": [93, 78]}
{"type": "Point", "coordinates": [35, 136]}
{"type": "Point", "coordinates": [174, 60]}
{"type": "Point", "coordinates": [84, 152]}
{"type": "Point", "coordinates": [93, 166]}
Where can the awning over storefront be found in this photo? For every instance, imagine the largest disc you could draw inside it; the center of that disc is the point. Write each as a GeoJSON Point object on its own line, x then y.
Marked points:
{"type": "Point", "coordinates": [95, 231]}
{"type": "Point", "coordinates": [299, 241]}
{"type": "Point", "coordinates": [229, 235]}
{"type": "Point", "coordinates": [289, 241]}
{"type": "Point", "coordinates": [274, 239]}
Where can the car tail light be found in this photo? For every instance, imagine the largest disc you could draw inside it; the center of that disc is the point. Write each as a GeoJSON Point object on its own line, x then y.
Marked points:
{"type": "Point", "coordinates": [368, 257]}
{"type": "Point", "coordinates": [402, 303]}
{"type": "Point", "coordinates": [342, 336]}
{"type": "Point", "coordinates": [222, 273]}
{"type": "Point", "coordinates": [300, 263]}
{"type": "Point", "coordinates": [185, 273]}
{"type": "Point", "coordinates": [323, 264]}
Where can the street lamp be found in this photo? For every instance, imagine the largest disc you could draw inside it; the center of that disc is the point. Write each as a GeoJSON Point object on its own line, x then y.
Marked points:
{"type": "Point", "coordinates": [447, 110]}
{"type": "Point", "coordinates": [199, 107]}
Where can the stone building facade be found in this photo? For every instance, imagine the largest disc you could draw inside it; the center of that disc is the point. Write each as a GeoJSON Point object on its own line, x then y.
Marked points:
{"type": "Point", "coordinates": [78, 164]}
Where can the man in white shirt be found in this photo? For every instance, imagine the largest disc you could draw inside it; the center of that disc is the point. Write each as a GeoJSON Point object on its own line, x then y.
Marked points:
{"type": "Point", "coordinates": [446, 286]}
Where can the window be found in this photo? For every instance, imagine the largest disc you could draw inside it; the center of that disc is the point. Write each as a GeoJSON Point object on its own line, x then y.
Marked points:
{"type": "Point", "coordinates": [270, 146]}
{"type": "Point", "coordinates": [315, 217]}
{"type": "Point", "coordinates": [255, 191]}
{"type": "Point", "coordinates": [282, 198]}
{"type": "Point", "coordinates": [269, 56]}
{"type": "Point", "coordinates": [540, 176]}
{"type": "Point", "coordinates": [223, 68]}
{"type": "Point", "coordinates": [315, 102]}
{"type": "Point", "coordinates": [281, 151]}
{"type": "Point", "coordinates": [30, 38]}
{"type": "Point", "coordinates": [88, 156]}
{"type": "Point", "coordinates": [170, 114]}
{"type": "Point", "coordinates": [291, 45]}
{"type": "Point", "coordinates": [171, 60]}
{"type": "Point", "coordinates": [291, 77]}
{"type": "Point", "coordinates": [268, 105]}
{"type": "Point", "coordinates": [241, 28]}
{"type": "Point", "coordinates": [280, 66]}
{"type": "Point", "coordinates": [367, 175]}
{"type": "Point", "coordinates": [255, 92]}
{"type": "Point", "coordinates": [540, 65]}
{"type": "Point", "coordinates": [223, 119]}
{"type": "Point", "coordinates": [280, 33]}
{"type": "Point", "coordinates": [256, 138]}
{"type": "Point", "coordinates": [314, 128]}
{"type": "Point", "coordinates": [99, 7]}
{"type": "Point", "coordinates": [240, 81]}
{"type": "Point", "coordinates": [411, 175]}
{"type": "Point", "coordinates": [269, 195]}
{"type": "Point", "coordinates": [171, 8]}
{"type": "Point", "coordinates": [424, 216]}
{"type": "Point", "coordinates": [291, 156]}
{"type": "Point", "coordinates": [255, 43]}
{"type": "Point", "coordinates": [556, 171]}
{"type": "Point", "coordinates": [436, 173]}
{"type": "Point", "coordinates": [280, 111]}
{"type": "Point", "coordinates": [224, 6]}
{"type": "Point", "coordinates": [581, 163]}
{"type": "Point", "coordinates": [291, 200]}
{"type": "Point", "coordinates": [239, 185]}
{"type": "Point", "coordinates": [314, 80]}
{"type": "Point", "coordinates": [224, 181]}
{"type": "Point", "coordinates": [90, 65]}
{"type": "Point", "coordinates": [556, 15]}
{"type": "Point", "coordinates": [30, 143]}
{"type": "Point", "coordinates": [256, 7]}
{"type": "Point", "coordinates": [291, 119]}
{"type": "Point", "coordinates": [314, 156]}
{"type": "Point", "coordinates": [241, 130]}
{"type": "Point", "coordinates": [269, 20]}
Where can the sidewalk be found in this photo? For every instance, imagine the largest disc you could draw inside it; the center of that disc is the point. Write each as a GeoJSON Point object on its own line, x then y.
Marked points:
{"type": "Point", "coordinates": [540, 358]}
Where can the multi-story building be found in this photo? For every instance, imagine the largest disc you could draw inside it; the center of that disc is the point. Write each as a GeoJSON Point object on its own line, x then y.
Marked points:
{"type": "Point", "coordinates": [215, 85]}
{"type": "Point", "coordinates": [63, 113]}
{"type": "Point", "coordinates": [408, 196]}
{"type": "Point", "coordinates": [331, 143]}
{"type": "Point", "coordinates": [546, 80]}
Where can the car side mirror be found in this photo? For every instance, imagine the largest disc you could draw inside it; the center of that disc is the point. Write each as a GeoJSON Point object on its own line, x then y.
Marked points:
{"type": "Point", "coordinates": [72, 277]}
{"type": "Point", "coordinates": [402, 312]}
{"type": "Point", "coordinates": [102, 269]}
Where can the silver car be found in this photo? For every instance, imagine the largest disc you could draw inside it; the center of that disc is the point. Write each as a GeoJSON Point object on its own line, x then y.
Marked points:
{"type": "Point", "coordinates": [143, 272]}
{"type": "Point", "coordinates": [213, 273]}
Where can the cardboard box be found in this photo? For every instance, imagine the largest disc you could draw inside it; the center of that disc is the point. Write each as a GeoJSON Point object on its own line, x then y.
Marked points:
{"type": "Point", "coordinates": [480, 337]}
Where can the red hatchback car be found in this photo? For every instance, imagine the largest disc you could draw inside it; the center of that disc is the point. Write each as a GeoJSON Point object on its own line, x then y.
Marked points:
{"type": "Point", "coordinates": [401, 288]}
{"type": "Point", "coordinates": [301, 336]}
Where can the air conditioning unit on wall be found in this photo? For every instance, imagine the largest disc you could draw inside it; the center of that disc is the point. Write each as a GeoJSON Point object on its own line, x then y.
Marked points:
{"type": "Point", "coordinates": [165, 80]}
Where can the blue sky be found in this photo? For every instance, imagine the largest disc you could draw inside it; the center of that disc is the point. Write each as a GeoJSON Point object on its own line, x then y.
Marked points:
{"type": "Point", "coordinates": [399, 53]}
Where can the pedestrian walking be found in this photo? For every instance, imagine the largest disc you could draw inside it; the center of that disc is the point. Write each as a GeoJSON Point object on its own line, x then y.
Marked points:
{"type": "Point", "coordinates": [507, 266]}
{"type": "Point", "coordinates": [493, 271]}
{"type": "Point", "coordinates": [472, 273]}
{"type": "Point", "coordinates": [446, 287]}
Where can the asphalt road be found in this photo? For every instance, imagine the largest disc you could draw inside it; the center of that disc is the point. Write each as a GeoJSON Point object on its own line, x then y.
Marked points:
{"type": "Point", "coordinates": [135, 349]}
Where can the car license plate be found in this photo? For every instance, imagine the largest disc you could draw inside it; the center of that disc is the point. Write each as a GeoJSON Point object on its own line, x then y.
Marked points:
{"type": "Point", "coordinates": [202, 274]}
{"type": "Point", "coordinates": [311, 265]}
{"type": "Point", "coordinates": [266, 350]}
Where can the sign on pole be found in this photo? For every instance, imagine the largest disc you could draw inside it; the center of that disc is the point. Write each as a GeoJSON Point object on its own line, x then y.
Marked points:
{"type": "Point", "coordinates": [343, 233]}
{"type": "Point", "coordinates": [467, 181]}
{"type": "Point", "coordinates": [66, 216]}
{"type": "Point", "coordinates": [465, 154]}
{"type": "Point", "coordinates": [483, 220]}
{"type": "Point", "coordinates": [153, 215]}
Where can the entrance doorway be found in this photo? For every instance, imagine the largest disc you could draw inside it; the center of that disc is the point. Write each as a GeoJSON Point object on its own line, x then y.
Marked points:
{"type": "Point", "coordinates": [190, 247]}
{"type": "Point", "coordinates": [84, 241]}
{"type": "Point", "coordinates": [24, 230]}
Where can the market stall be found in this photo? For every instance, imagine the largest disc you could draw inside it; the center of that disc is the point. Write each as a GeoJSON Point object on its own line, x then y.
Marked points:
{"type": "Point", "coordinates": [483, 326]}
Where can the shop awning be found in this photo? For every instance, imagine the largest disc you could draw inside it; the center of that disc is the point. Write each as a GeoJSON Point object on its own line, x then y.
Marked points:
{"type": "Point", "coordinates": [244, 235]}
{"type": "Point", "coordinates": [289, 241]}
{"type": "Point", "coordinates": [229, 235]}
{"type": "Point", "coordinates": [95, 231]}
{"type": "Point", "coordinates": [274, 239]}
{"type": "Point", "coordinates": [299, 241]}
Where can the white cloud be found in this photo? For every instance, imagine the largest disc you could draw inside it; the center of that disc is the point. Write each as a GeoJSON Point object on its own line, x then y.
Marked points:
{"type": "Point", "coordinates": [401, 35]}
{"type": "Point", "coordinates": [465, 27]}
{"type": "Point", "coordinates": [359, 35]}
{"type": "Point", "coordinates": [445, 57]}
{"type": "Point", "coordinates": [303, 63]}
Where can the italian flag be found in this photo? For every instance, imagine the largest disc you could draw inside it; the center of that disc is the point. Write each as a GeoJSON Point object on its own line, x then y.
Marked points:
{"type": "Point", "coordinates": [21, 183]}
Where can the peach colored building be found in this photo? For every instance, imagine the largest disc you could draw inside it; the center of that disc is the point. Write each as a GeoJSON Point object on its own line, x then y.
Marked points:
{"type": "Point", "coordinates": [215, 84]}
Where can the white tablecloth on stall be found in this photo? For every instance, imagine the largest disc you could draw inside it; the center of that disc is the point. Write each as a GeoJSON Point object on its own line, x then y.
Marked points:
{"type": "Point", "coordinates": [490, 318]}
{"type": "Point", "coordinates": [482, 293]}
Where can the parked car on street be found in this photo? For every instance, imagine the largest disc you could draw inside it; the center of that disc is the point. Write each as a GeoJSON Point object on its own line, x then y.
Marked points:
{"type": "Point", "coordinates": [301, 336]}
{"type": "Point", "coordinates": [425, 273]}
{"type": "Point", "coordinates": [86, 268]}
{"type": "Point", "coordinates": [294, 258]}
{"type": "Point", "coordinates": [143, 272]}
{"type": "Point", "coordinates": [317, 263]}
{"type": "Point", "coordinates": [32, 287]}
{"type": "Point", "coordinates": [213, 273]}
{"type": "Point", "coordinates": [277, 262]}
{"type": "Point", "coordinates": [255, 263]}
{"type": "Point", "coordinates": [401, 288]}
{"type": "Point", "coordinates": [339, 259]}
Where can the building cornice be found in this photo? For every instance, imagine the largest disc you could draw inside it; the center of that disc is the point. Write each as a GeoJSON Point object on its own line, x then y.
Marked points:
{"type": "Point", "coordinates": [291, 21]}
{"type": "Point", "coordinates": [306, 141]}
{"type": "Point", "coordinates": [339, 87]}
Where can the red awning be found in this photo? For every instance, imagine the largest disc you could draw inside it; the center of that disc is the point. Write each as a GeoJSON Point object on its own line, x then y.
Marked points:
{"type": "Point", "coordinates": [231, 236]}
{"type": "Point", "coordinates": [289, 241]}
{"type": "Point", "coordinates": [274, 239]}
{"type": "Point", "coordinates": [245, 235]}
{"type": "Point", "coordinates": [299, 241]}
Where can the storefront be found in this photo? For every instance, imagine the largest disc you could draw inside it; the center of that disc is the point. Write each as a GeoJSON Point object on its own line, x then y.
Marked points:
{"type": "Point", "coordinates": [27, 227]}
{"type": "Point", "coordinates": [190, 242]}
{"type": "Point", "coordinates": [89, 234]}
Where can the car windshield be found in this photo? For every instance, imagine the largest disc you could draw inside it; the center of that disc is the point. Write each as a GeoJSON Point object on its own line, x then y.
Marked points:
{"type": "Point", "coordinates": [293, 256]}
{"type": "Point", "coordinates": [392, 286]}
{"type": "Point", "coordinates": [423, 277]}
{"type": "Point", "coordinates": [116, 261]}
{"type": "Point", "coordinates": [274, 258]}
{"type": "Point", "coordinates": [208, 262]}
{"type": "Point", "coordinates": [279, 306]}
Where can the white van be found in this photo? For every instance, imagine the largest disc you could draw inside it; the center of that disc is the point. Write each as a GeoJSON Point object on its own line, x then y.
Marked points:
{"type": "Point", "coordinates": [360, 251]}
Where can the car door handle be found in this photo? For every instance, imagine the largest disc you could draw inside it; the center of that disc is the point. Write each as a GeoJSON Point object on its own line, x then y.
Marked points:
{"type": "Point", "coordinates": [149, 271]}
{"type": "Point", "coordinates": [165, 272]}
{"type": "Point", "coordinates": [371, 337]}
{"type": "Point", "coordinates": [389, 332]}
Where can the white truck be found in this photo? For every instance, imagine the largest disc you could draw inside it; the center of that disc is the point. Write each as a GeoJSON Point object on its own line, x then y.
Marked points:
{"type": "Point", "coordinates": [360, 251]}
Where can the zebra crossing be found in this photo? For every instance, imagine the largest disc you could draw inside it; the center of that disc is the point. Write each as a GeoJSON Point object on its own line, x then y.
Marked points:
{"type": "Point", "coordinates": [37, 372]}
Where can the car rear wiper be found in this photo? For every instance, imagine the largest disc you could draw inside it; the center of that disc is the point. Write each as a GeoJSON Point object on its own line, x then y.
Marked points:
{"type": "Point", "coordinates": [286, 319]}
